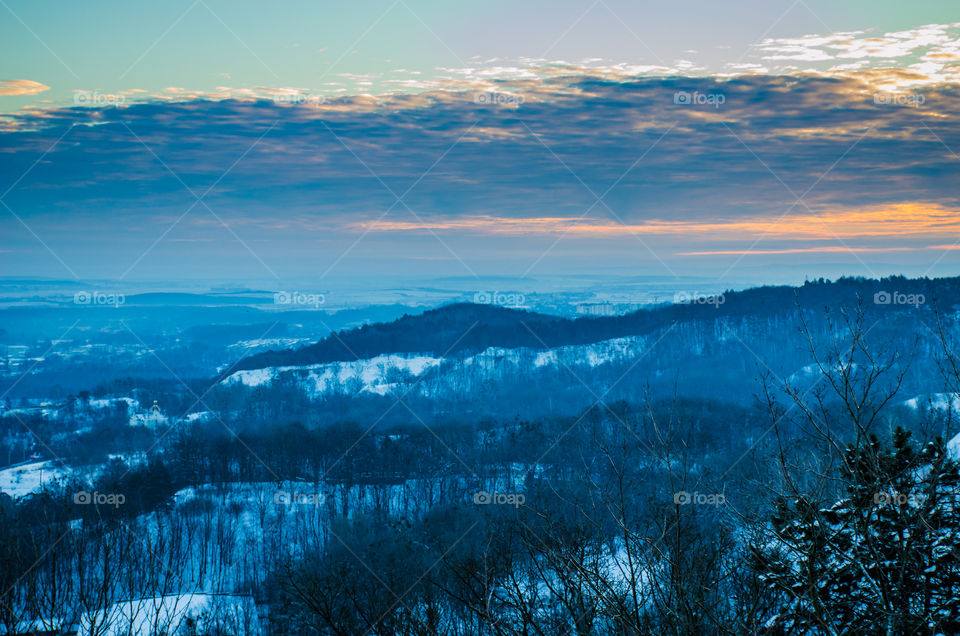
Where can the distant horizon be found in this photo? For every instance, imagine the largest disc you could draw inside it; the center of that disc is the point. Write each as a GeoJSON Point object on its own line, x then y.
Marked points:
{"type": "Point", "coordinates": [559, 295]}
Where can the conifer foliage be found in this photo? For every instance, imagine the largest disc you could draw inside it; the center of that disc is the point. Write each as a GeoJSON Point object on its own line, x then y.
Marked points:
{"type": "Point", "coordinates": [883, 559]}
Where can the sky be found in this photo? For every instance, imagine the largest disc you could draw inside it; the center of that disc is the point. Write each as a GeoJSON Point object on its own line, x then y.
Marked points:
{"type": "Point", "coordinates": [259, 142]}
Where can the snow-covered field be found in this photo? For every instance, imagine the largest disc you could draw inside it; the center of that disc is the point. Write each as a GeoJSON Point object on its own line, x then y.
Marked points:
{"type": "Point", "coordinates": [20, 481]}
{"type": "Point", "coordinates": [175, 614]}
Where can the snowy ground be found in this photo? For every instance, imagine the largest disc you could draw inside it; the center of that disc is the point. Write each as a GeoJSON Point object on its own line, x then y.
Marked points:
{"type": "Point", "coordinates": [22, 480]}
{"type": "Point", "coordinates": [387, 373]}
{"type": "Point", "coordinates": [321, 378]}
{"type": "Point", "coordinates": [175, 614]}
{"type": "Point", "coordinates": [936, 401]}
{"type": "Point", "coordinates": [940, 402]}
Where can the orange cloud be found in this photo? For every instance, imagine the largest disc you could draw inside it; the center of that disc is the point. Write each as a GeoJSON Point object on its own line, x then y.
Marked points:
{"type": "Point", "coordinates": [801, 250]}
{"type": "Point", "coordinates": [899, 220]}
{"type": "Point", "coordinates": [21, 87]}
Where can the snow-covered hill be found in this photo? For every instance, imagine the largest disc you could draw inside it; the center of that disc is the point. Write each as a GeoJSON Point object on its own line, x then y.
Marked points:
{"type": "Point", "coordinates": [935, 401]}
{"type": "Point", "coordinates": [20, 481]}
{"type": "Point", "coordinates": [376, 374]}
{"type": "Point", "coordinates": [400, 372]}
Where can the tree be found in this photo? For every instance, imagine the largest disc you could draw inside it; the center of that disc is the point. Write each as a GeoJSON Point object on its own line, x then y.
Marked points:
{"type": "Point", "coordinates": [881, 560]}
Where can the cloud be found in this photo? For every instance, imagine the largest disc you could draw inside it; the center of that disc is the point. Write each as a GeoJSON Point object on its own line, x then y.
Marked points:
{"type": "Point", "coordinates": [902, 227]}
{"type": "Point", "coordinates": [926, 55]}
{"type": "Point", "coordinates": [821, 249]}
{"type": "Point", "coordinates": [524, 159]}
{"type": "Point", "coordinates": [21, 87]}
{"type": "Point", "coordinates": [913, 219]}
{"type": "Point", "coordinates": [528, 146]}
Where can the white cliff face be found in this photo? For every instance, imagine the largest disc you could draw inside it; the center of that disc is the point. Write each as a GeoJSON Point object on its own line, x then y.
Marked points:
{"type": "Point", "coordinates": [385, 374]}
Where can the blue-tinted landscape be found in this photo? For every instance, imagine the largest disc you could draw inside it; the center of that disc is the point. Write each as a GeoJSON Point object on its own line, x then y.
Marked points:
{"type": "Point", "coordinates": [401, 318]}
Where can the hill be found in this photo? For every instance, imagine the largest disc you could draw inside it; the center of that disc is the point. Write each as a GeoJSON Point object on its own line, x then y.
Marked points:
{"type": "Point", "coordinates": [465, 327]}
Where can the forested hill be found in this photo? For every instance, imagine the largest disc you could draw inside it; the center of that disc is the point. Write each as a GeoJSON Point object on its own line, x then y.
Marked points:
{"type": "Point", "coordinates": [470, 327]}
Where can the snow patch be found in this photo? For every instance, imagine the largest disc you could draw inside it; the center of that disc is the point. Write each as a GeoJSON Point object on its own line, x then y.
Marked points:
{"type": "Point", "coordinates": [175, 614]}
{"type": "Point", "coordinates": [363, 375]}
{"type": "Point", "coordinates": [20, 481]}
{"type": "Point", "coordinates": [935, 401]}
{"type": "Point", "coordinates": [391, 373]}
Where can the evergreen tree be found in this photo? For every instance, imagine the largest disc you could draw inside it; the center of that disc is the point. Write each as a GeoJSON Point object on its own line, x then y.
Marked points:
{"type": "Point", "coordinates": [882, 560]}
